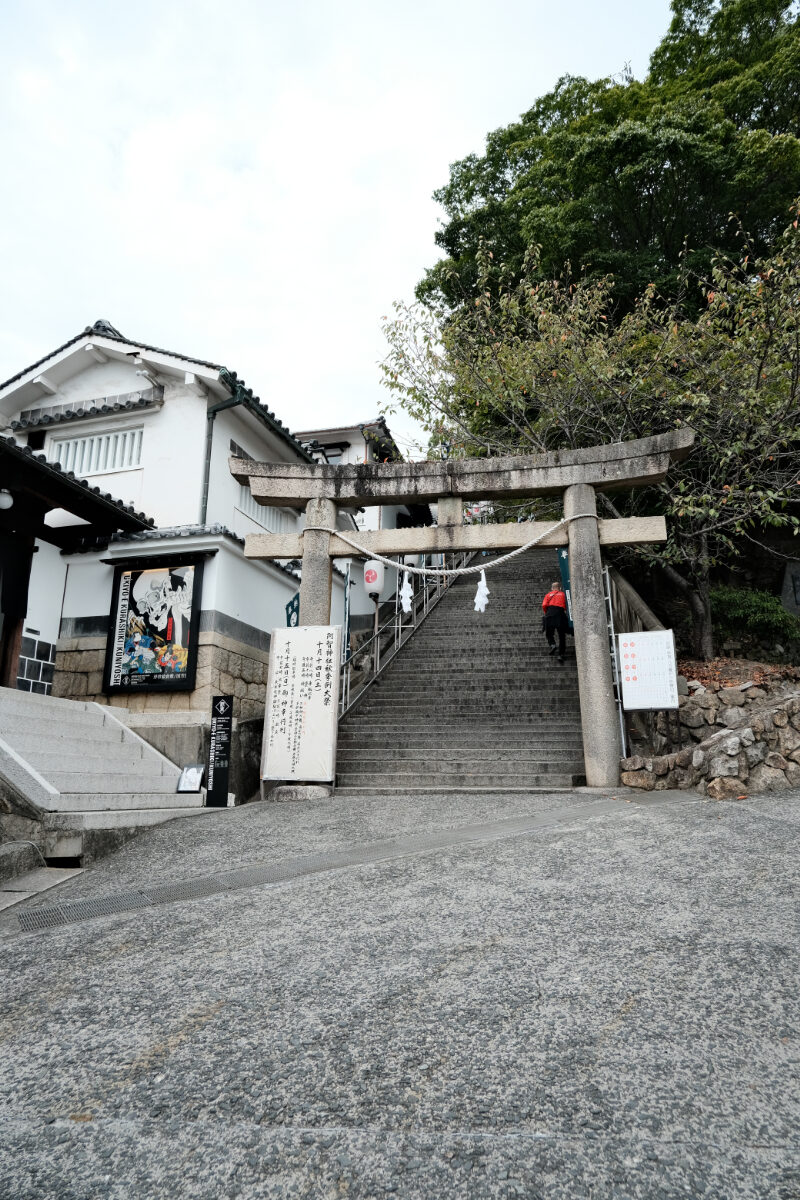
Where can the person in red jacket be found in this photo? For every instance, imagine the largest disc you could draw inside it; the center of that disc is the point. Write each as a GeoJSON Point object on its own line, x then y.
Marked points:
{"type": "Point", "coordinates": [554, 607]}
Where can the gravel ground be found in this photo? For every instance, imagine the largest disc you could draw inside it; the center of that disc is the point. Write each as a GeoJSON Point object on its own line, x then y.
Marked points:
{"type": "Point", "coordinates": [604, 1007]}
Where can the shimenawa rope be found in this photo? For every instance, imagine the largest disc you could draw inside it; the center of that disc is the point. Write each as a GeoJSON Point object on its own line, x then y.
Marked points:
{"type": "Point", "coordinates": [495, 562]}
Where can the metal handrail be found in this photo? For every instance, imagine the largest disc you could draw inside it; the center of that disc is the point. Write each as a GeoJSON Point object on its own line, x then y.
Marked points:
{"type": "Point", "coordinates": [381, 647]}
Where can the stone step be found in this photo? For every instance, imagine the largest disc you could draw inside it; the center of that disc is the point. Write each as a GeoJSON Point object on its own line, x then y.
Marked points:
{"type": "Point", "coordinates": [526, 694]}
{"type": "Point", "coordinates": [442, 725]}
{"type": "Point", "coordinates": [443, 769]}
{"type": "Point", "coordinates": [448, 757]}
{"type": "Point", "coordinates": [113, 781]}
{"type": "Point", "coordinates": [343, 791]}
{"type": "Point", "coordinates": [439, 707]}
{"type": "Point", "coordinates": [72, 802]}
{"type": "Point", "coordinates": [487, 781]}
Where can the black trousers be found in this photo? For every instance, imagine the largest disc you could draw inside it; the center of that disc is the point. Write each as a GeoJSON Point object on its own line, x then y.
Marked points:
{"type": "Point", "coordinates": [555, 622]}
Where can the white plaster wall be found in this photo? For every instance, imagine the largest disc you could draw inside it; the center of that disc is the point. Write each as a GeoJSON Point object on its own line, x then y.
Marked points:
{"type": "Point", "coordinates": [48, 572]}
{"type": "Point", "coordinates": [167, 486]}
{"type": "Point", "coordinates": [88, 587]}
{"type": "Point", "coordinates": [255, 592]}
{"type": "Point", "coordinates": [111, 378]}
{"type": "Point", "coordinates": [224, 494]}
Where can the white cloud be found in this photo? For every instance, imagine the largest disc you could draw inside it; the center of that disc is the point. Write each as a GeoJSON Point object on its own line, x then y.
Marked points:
{"type": "Point", "coordinates": [252, 183]}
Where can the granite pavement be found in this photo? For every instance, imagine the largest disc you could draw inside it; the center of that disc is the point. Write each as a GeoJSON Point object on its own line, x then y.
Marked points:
{"type": "Point", "coordinates": [604, 1005]}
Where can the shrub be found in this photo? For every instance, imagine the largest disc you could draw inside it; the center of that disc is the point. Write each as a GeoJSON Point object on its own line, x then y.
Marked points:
{"type": "Point", "coordinates": [752, 616]}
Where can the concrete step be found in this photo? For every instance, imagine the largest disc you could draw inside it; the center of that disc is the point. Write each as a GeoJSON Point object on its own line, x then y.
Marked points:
{"type": "Point", "coordinates": [12, 700]}
{"type": "Point", "coordinates": [113, 781]}
{"type": "Point", "coordinates": [79, 724]}
{"type": "Point", "coordinates": [79, 819]}
{"type": "Point", "coordinates": [126, 757]}
{"type": "Point", "coordinates": [72, 802]}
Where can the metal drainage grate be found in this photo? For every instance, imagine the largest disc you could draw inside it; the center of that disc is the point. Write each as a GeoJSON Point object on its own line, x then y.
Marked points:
{"type": "Point", "coordinates": [193, 889]}
{"type": "Point", "coordinates": [41, 918]}
{"type": "Point", "coordinates": [103, 906]}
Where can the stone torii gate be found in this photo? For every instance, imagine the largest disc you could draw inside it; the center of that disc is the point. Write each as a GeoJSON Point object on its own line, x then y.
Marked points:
{"type": "Point", "coordinates": [578, 474]}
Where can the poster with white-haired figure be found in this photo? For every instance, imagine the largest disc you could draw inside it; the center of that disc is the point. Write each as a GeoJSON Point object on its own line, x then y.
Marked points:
{"type": "Point", "coordinates": [155, 613]}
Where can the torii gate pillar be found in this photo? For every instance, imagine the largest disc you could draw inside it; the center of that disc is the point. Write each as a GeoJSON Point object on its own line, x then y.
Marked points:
{"type": "Point", "coordinates": [601, 742]}
{"type": "Point", "coordinates": [315, 585]}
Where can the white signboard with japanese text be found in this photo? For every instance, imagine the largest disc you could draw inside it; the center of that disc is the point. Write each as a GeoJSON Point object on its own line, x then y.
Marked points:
{"type": "Point", "coordinates": [647, 670]}
{"type": "Point", "coordinates": [302, 704]}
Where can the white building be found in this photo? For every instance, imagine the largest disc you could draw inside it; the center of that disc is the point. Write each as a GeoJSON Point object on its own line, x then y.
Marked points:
{"type": "Point", "coordinates": [366, 442]}
{"type": "Point", "coordinates": [155, 429]}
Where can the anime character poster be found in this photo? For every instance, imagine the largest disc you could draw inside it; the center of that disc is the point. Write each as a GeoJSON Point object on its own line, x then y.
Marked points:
{"type": "Point", "coordinates": [154, 619]}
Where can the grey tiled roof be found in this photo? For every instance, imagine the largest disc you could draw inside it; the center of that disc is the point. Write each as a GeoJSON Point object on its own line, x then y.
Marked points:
{"type": "Point", "coordinates": [103, 329]}
{"type": "Point", "coordinates": [9, 446]}
{"type": "Point", "coordinates": [97, 408]}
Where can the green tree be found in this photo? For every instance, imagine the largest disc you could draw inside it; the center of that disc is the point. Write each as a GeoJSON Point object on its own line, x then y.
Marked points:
{"type": "Point", "coordinates": [525, 365]}
{"type": "Point", "coordinates": [615, 177]}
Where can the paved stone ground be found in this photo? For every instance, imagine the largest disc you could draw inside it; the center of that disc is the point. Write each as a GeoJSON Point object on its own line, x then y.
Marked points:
{"type": "Point", "coordinates": [605, 1006]}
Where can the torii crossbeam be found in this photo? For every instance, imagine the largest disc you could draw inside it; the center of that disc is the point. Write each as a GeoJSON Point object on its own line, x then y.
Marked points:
{"type": "Point", "coordinates": [323, 488]}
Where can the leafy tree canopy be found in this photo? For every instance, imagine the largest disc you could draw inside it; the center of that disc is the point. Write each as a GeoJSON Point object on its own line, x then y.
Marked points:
{"type": "Point", "coordinates": [533, 364]}
{"type": "Point", "coordinates": [615, 177]}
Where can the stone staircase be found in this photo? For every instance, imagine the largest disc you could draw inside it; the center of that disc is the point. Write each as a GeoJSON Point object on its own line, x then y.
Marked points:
{"type": "Point", "coordinates": [473, 701]}
{"type": "Point", "coordinates": [79, 772]}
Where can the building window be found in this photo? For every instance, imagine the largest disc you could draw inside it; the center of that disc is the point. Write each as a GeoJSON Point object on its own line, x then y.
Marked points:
{"type": "Point", "coordinates": [98, 453]}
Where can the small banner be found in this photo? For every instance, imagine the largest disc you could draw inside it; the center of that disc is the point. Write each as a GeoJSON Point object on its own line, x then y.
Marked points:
{"type": "Point", "coordinates": [563, 567]}
{"type": "Point", "coordinates": [219, 751]}
{"type": "Point", "coordinates": [293, 611]}
{"type": "Point", "coordinates": [302, 704]}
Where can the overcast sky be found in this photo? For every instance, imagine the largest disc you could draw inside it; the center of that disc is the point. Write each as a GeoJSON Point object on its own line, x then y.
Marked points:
{"type": "Point", "coordinates": [251, 183]}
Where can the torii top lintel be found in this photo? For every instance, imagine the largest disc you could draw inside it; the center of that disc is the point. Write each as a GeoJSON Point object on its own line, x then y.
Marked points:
{"type": "Point", "coordinates": [617, 465]}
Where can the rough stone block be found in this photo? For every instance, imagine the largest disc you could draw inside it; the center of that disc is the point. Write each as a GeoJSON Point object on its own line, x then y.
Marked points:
{"type": "Point", "coordinates": [226, 683]}
{"type": "Point", "coordinates": [756, 753]}
{"type": "Point", "coordinates": [793, 774]}
{"type": "Point", "coordinates": [638, 779]}
{"type": "Point", "coordinates": [698, 759]}
{"type": "Point", "coordinates": [732, 696]}
{"type": "Point", "coordinates": [731, 745]}
{"type": "Point", "coordinates": [776, 761]}
{"type": "Point", "coordinates": [706, 700]}
{"type": "Point", "coordinates": [746, 736]}
{"type": "Point", "coordinates": [767, 779]}
{"type": "Point", "coordinates": [692, 719]}
{"type": "Point", "coordinates": [634, 763]}
{"type": "Point", "coordinates": [722, 764]}
{"type": "Point", "coordinates": [731, 717]}
{"type": "Point", "coordinates": [724, 788]}
{"type": "Point", "coordinates": [780, 718]}
{"type": "Point", "coordinates": [788, 739]}
{"type": "Point", "coordinates": [94, 683]}
{"type": "Point", "coordinates": [684, 757]}
{"type": "Point", "coordinates": [755, 693]}
{"type": "Point", "coordinates": [660, 766]}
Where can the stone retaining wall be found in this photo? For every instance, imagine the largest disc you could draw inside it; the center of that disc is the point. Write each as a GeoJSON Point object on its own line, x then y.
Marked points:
{"type": "Point", "coordinates": [740, 739]}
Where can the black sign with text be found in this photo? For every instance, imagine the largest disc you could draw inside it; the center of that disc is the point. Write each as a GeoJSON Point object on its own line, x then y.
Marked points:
{"type": "Point", "coordinates": [219, 751]}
